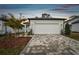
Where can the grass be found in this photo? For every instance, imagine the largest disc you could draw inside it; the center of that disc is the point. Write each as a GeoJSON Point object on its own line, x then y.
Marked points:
{"type": "Point", "coordinates": [74, 36]}
{"type": "Point", "coordinates": [10, 51]}
{"type": "Point", "coordinates": [11, 45]}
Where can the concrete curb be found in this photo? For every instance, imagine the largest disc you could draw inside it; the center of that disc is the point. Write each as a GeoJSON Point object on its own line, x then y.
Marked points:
{"type": "Point", "coordinates": [23, 51]}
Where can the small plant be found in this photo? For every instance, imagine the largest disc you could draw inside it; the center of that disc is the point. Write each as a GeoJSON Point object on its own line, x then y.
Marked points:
{"type": "Point", "coordinates": [30, 32]}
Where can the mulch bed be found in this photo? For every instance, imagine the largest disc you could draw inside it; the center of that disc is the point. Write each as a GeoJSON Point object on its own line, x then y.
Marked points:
{"type": "Point", "coordinates": [14, 42]}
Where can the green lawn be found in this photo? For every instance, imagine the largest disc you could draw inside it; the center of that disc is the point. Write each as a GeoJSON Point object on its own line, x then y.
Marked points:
{"type": "Point", "coordinates": [74, 36]}
{"type": "Point", "coordinates": [10, 51]}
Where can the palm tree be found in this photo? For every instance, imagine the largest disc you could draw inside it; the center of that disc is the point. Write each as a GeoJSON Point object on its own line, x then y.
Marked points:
{"type": "Point", "coordinates": [14, 23]}
{"type": "Point", "coordinates": [19, 25]}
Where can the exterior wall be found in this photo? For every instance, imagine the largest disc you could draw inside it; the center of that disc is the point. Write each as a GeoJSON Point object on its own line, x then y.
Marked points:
{"type": "Point", "coordinates": [10, 30]}
{"type": "Point", "coordinates": [59, 22]}
{"type": "Point", "coordinates": [2, 27]}
{"type": "Point", "coordinates": [75, 27]}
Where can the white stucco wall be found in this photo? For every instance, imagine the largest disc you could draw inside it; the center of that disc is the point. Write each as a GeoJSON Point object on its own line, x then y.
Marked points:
{"type": "Point", "coordinates": [59, 22]}
{"type": "Point", "coordinates": [2, 27]}
{"type": "Point", "coordinates": [75, 27]}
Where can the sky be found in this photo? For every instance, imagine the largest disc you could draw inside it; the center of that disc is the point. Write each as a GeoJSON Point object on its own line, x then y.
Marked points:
{"type": "Point", "coordinates": [33, 10]}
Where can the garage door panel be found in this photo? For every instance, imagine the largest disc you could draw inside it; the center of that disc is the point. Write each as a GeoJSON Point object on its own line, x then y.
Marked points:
{"type": "Point", "coordinates": [46, 28]}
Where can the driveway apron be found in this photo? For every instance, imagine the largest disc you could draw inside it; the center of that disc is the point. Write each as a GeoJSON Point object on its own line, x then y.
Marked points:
{"type": "Point", "coordinates": [51, 44]}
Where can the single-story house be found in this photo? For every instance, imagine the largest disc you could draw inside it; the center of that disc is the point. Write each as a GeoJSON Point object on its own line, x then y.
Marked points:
{"type": "Point", "coordinates": [40, 25]}
{"type": "Point", "coordinates": [47, 24]}
{"type": "Point", "coordinates": [74, 22]}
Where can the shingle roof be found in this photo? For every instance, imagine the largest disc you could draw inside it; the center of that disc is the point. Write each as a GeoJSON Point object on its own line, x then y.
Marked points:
{"type": "Point", "coordinates": [75, 22]}
{"type": "Point", "coordinates": [3, 19]}
{"type": "Point", "coordinates": [73, 17]}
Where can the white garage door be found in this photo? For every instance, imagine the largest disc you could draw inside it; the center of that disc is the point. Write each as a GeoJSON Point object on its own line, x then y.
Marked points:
{"type": "Point", "coordinates": [46, 28]}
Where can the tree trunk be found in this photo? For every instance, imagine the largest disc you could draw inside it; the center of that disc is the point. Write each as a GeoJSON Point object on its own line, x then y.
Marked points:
{"type": "Point", "coordinates": [15, 33]}
{"type": "Point", "coordinates": [18, 32]}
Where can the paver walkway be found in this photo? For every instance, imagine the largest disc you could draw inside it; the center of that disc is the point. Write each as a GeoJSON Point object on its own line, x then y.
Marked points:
{"type": "Point", "coordinates": [49, 44]}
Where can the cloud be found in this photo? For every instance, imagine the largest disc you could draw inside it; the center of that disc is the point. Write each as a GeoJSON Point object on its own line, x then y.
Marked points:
{"type": "Point", "coordinates": [69, 5]}
{"type": "Point", "coordinates": [65, 7]}
{"type": "Point", "coordinates": [59, 11]}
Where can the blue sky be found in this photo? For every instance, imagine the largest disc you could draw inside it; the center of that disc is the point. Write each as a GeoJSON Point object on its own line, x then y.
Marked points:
{"type": "Point", "coordinates": [32, 10]}
{"type": "Point", "coordinates": [28, 6]}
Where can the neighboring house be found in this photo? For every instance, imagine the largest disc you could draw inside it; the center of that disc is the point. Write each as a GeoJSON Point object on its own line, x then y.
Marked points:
{"type": "Point", "coordinates": [74, 22]}
{"type": "Point", "coordinates": [75, 26]}
{"type": "Point", "coordinates": [47, 24]}
{"type": "Point", "coordinates": [2, 27]}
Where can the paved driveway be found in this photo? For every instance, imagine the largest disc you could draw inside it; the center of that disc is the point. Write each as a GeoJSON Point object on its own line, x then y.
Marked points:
{"type": "Point", "coordinates": [44, 44]}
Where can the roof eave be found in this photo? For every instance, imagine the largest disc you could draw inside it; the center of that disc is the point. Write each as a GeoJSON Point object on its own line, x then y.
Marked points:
{"type": "Point", "coordinates": [46, 18]}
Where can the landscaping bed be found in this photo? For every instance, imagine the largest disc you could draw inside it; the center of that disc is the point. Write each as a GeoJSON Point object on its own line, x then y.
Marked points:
{"type": "Point", "coordinates": [74, 36]}
{"type": "Point", "coordinates": [13, 46]}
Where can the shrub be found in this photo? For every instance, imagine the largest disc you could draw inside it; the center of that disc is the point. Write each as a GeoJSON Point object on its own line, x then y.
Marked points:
{"type": "Point", "coordinates": [30, 32]}
{"type": "Point", "coordinates": [67, 29]}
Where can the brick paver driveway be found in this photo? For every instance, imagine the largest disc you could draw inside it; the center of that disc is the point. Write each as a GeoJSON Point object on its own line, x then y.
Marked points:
{"type": "Point", "coordinates": [49, 44]}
